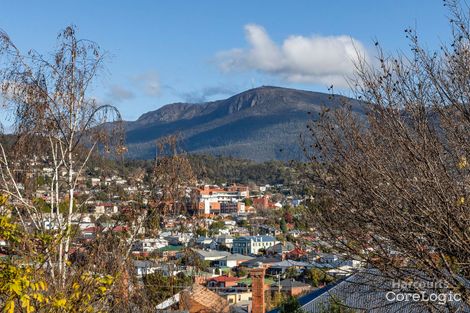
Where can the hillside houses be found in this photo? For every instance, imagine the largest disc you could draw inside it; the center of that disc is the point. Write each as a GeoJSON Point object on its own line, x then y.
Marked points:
{"type": "Point", "coordinates": [216, 242]}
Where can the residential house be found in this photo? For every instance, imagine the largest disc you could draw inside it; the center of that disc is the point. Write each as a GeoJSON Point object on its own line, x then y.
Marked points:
{"type": "Point", "coordinates": [290, 287]}
{"type": "Point", "coordinates": [89, 233]}
{"type": "Point", "coordinates": [282, 266]}
{"type": "Point", "coordinates": [262, 261]}
{"type": "Point", "coordinates": [145, 267]}
{"type": "Point", "coordinates": [268, 230]}
{"type": "Point", "coordinates": [222, 282]}
{"type": "Point", "coordinates": [105, 208]}
{"type": "Point", "coordinates": [149, 245]}
{"type": "Point", "coordinates": [204, 242]}
{"type": "Point", "coordinates": [169, 252]}
{"type": "Point", "coordinates": [211, 255]}
{"type": "Point", "coordinates": [48, 171]}
{"type": "Point", "coordinates": [252, 244]}
{"type": "Point", "coordinates": [179, 239]}
{"type": "Point", "coordinates": [239, 231]}
{"type": "Point", "coordinates": [95, 181]}
{"type": "Point", "coordinates": [214, 245]}
{"type": "Point", "coordinates": [224, 241]}
{"type": "Point", "coordinates": [230, 223]}
{"type": "Point", "coordinates": [233, 260]}
{"type": "Point", "coordinates": [336, 265]}
{"type": "Point", "coordinates": [281, 248]}
{"type": "Point", "coordinates": [297, 254]}
{"type": "Point", "coordinates": [328, 258]}
{"type": "Point", "coordinates": [295, 233]}
{"type": "Point", "coordinates": [237, 297]}
{"type": "Point", "coordinates": [83, 224]}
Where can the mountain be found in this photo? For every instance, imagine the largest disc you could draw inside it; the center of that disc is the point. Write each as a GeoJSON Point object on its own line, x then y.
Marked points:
{"type": "Point", "coordinates": [258, 124]}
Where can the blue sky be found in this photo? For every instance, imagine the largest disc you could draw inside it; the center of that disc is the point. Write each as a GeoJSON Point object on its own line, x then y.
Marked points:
{"type": "Point", "coordinates": [172, 51]}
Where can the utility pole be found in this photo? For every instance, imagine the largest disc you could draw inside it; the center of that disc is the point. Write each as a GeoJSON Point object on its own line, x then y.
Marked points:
{"type": "Point", "coordinates": [278, 282]}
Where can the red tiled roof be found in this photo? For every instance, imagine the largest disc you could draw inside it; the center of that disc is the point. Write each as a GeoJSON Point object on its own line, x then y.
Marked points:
{"type": "Point", "coordinates": [91, 229]}
{"type": "Point", "coordinates": [297, 251]}
{"type": "Point", "coordinates": [120, 228]}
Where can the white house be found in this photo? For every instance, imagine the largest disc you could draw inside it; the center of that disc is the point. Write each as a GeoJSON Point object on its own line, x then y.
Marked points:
{"type": "Point", "coordinates": [95, 181]}
{"type": "Point", "coordinates": [226, 241]}
{"type": "Point", "coordinates": [233, 260]}
{"type": "Point", "coordinates": [211, 255]}
{"type": "Point", "coordinates": [145, 267]}
{"type": "Point", "coordinates": [179, 238]}
{"type": "Point", "coordinates": [149, 244]}
{"type": "Point", "coordinates": [203, 242]}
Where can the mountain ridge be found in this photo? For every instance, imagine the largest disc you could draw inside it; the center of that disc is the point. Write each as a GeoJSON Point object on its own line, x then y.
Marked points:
{"type": "Point", "coordinates": [256, 124]}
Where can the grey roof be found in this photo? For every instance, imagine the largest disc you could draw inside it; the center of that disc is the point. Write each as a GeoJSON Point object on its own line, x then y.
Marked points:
{"type": "Point", "coordinates": [287, 246]}
{"type": "Point", "coordinates": [289, 263]}
{"type": "Point", "coordinates": [212, 253]}
{"type": "Point", "coordinates": [144, 263]}
{"type": "Point", "coordinates": [290, 283]}
{"type": "Point", "coordinates": [238, 257]}
{"type": "Point", "coordinates": [223, 237]}
{"type": "Point", "coordinates": [256, 261]}
{"type": "Point", "coordinates": [366, 291]}
{"type": "Point", "coordinates": [256, 238]}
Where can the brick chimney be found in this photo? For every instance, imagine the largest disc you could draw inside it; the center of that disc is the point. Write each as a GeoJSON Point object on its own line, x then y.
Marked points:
{"type": "Point", "coordinates": [257, 283]}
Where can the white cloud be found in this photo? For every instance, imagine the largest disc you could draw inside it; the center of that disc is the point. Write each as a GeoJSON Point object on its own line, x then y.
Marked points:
{"type": "Point", "coordinates": [316, 59]}
{"type": "Point", "coordinates": [148, 82]}
{"type": "Point", "coordinates": [206, 93]}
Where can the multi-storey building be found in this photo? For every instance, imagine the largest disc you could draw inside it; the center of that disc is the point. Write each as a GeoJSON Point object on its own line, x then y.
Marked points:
{"type": "Point", "coordinates": [252, 244]}
{"type": "Point", "coordinates": [227, 200]}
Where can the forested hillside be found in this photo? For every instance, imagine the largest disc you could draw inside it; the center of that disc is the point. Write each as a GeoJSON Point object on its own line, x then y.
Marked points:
{"type": "Point", "coordinates": [260, 124]}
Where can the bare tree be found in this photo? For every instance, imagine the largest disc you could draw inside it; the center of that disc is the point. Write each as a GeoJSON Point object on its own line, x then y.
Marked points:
{"type": "Point", "coordinates": [391, 182]}
{"type": "Point", "coordinates": [173, 175]}
{"type": "Point", "coordinates": [57, 120]}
